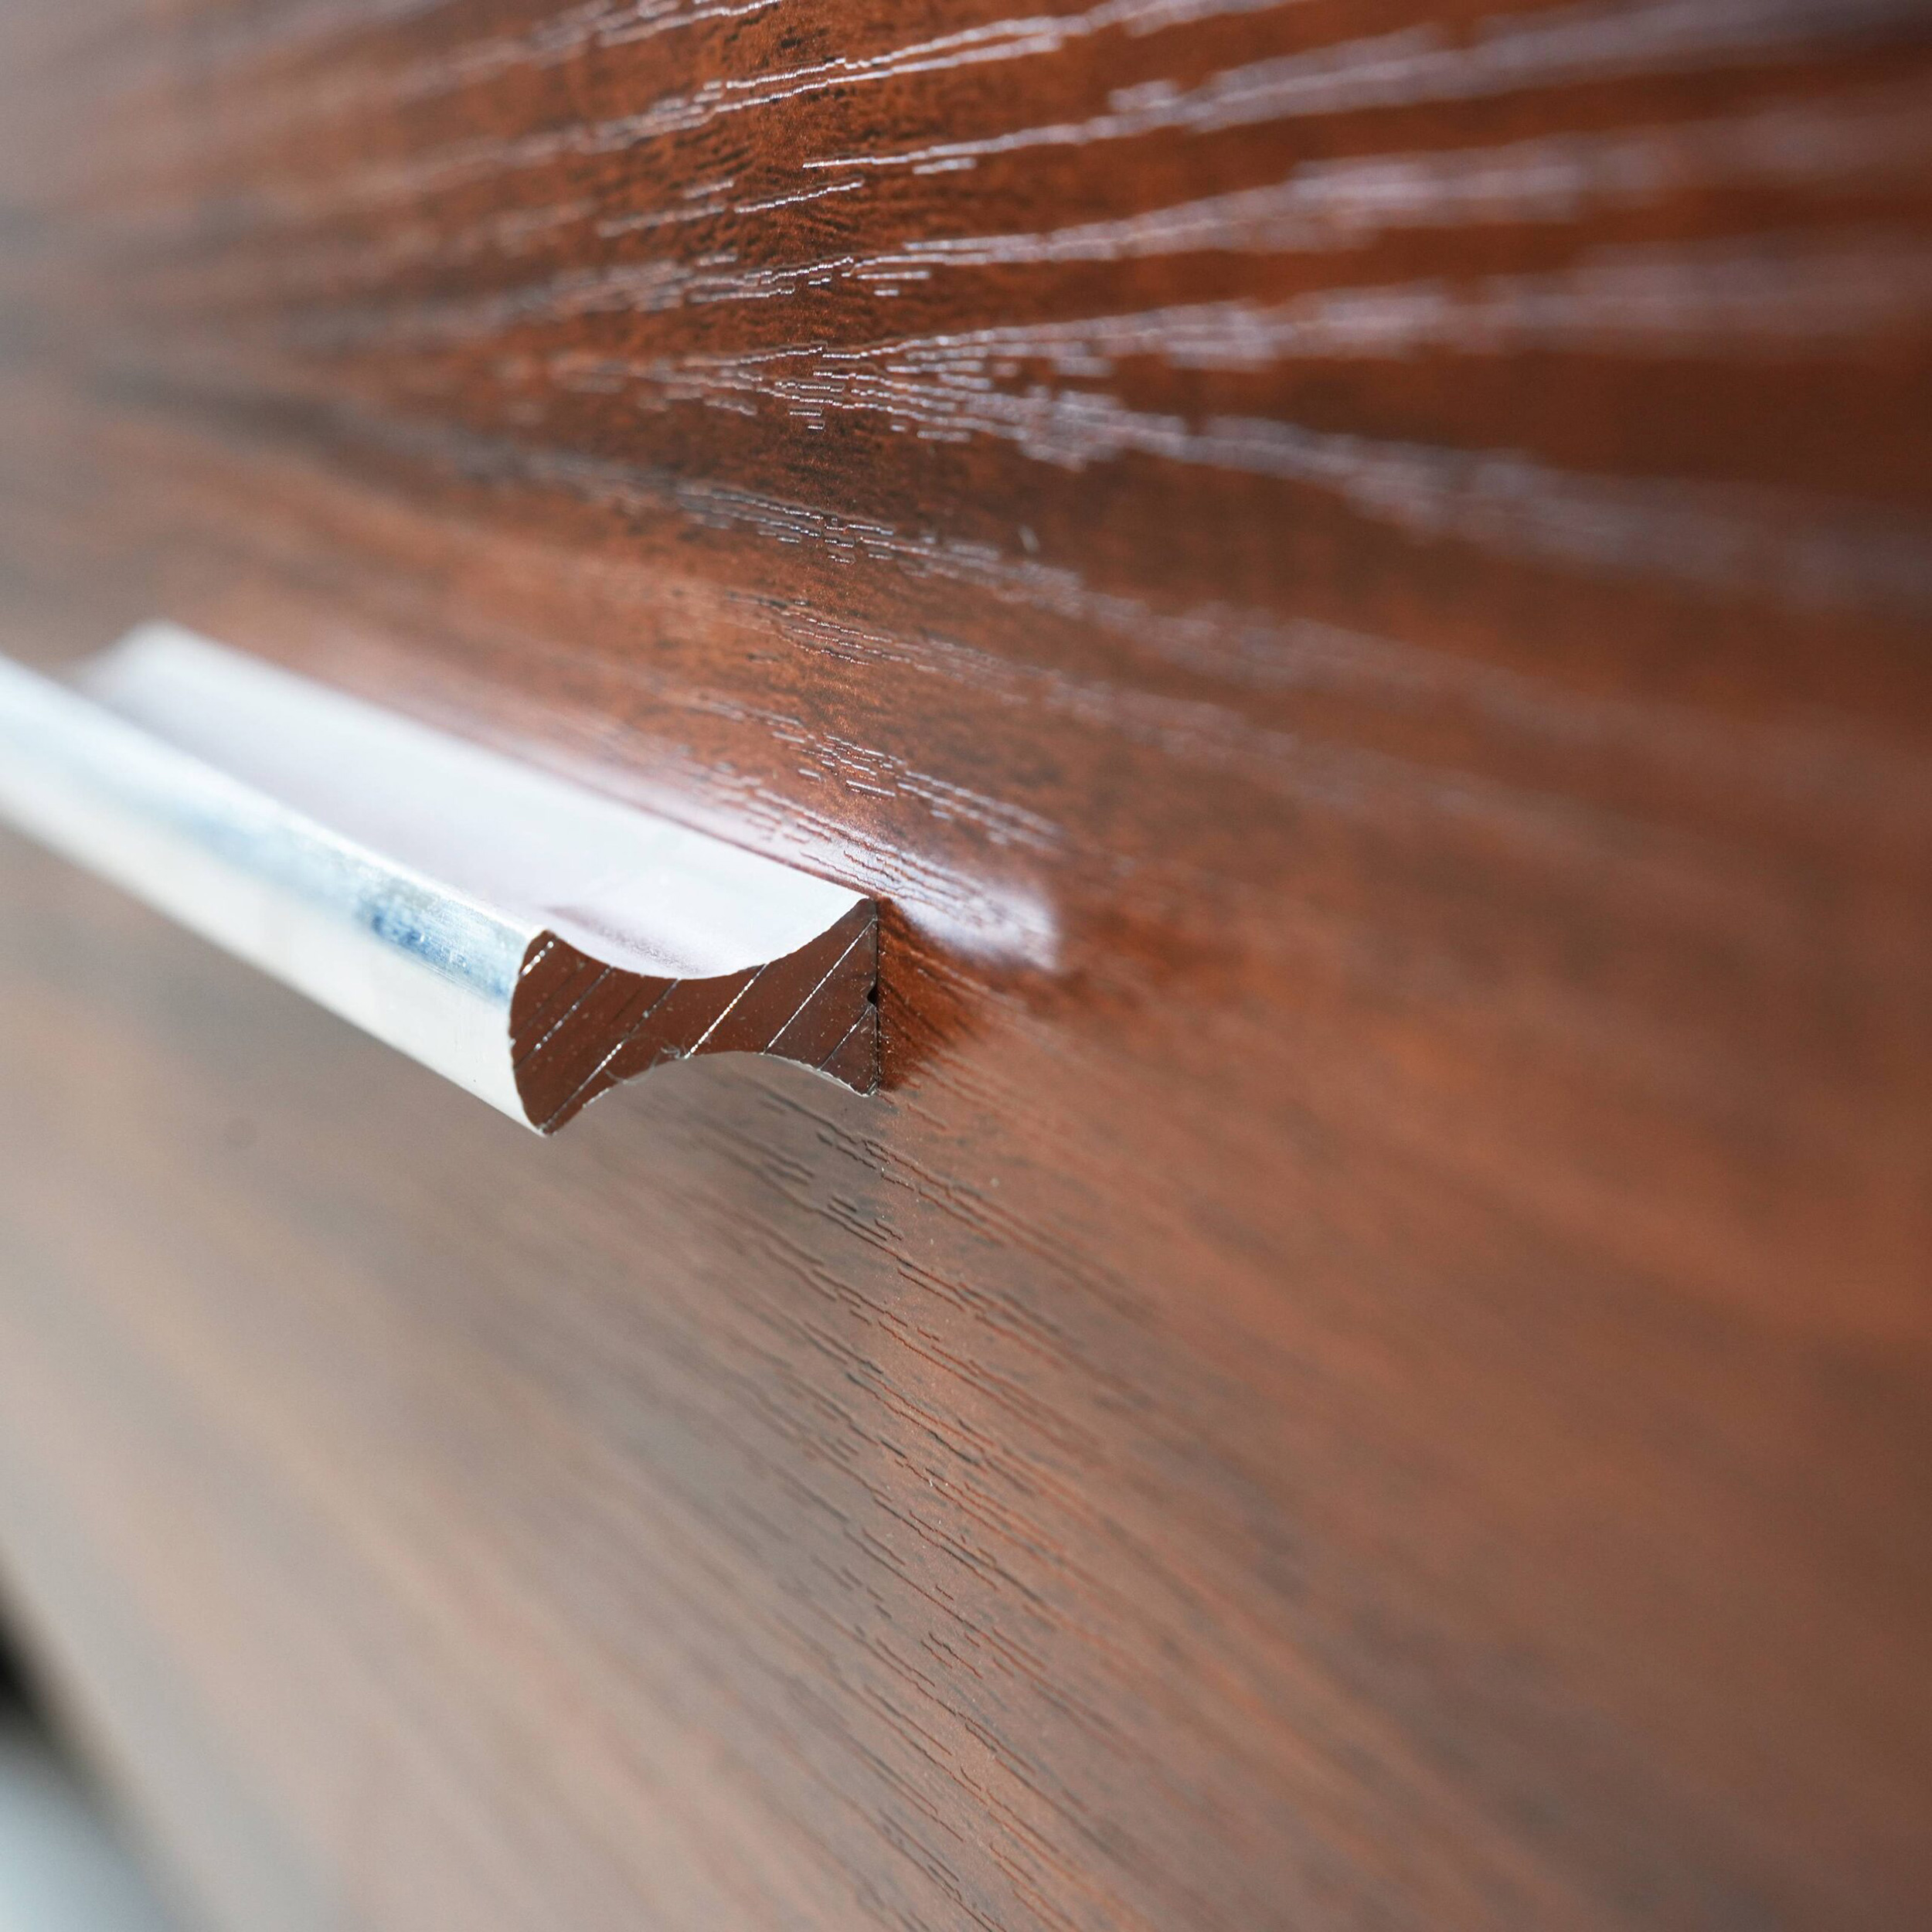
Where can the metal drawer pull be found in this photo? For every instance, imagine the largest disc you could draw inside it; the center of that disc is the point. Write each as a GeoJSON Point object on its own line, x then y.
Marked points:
{"type": "Point", "coordinates": [533, 941]}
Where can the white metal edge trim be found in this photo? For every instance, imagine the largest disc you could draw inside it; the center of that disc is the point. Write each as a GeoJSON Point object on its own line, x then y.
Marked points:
{"type": "Point", "coordinates": [395, 874]}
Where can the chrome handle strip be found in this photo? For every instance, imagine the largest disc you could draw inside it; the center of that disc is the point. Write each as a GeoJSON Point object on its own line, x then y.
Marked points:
{"type": "Point", "coordinates": [531, 940]}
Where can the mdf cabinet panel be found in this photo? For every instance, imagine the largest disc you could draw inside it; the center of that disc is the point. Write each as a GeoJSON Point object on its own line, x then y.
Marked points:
{"type": "Point", "coordinates": [1353, 575]}
{"type": "Point", "coordinates": [765, 1507]}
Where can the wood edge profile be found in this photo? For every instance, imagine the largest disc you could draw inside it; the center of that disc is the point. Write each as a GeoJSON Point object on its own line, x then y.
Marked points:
{"type": "Point", "coordinates": [579, 1027]}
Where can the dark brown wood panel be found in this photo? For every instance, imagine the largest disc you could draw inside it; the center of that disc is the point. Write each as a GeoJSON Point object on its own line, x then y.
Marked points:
{"type": "Point", "coordinates": [1356, 575]}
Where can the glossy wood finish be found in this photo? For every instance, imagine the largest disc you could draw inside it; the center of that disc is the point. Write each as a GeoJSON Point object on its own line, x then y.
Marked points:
{"type": "Point", "coordinates": [1355, 573]}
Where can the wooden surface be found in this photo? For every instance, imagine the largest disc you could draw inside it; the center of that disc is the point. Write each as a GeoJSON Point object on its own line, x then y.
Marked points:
{"type": "Point", "coordinates": [1355, 573]}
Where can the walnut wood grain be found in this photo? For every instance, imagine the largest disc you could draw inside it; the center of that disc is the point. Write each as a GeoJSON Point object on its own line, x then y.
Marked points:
{"type": "Point", "coordinates": [1355, 574]}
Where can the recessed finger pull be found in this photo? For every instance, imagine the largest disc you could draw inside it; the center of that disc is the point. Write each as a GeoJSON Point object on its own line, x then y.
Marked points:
{"type": "Point", "coordinates": [533, 941]}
